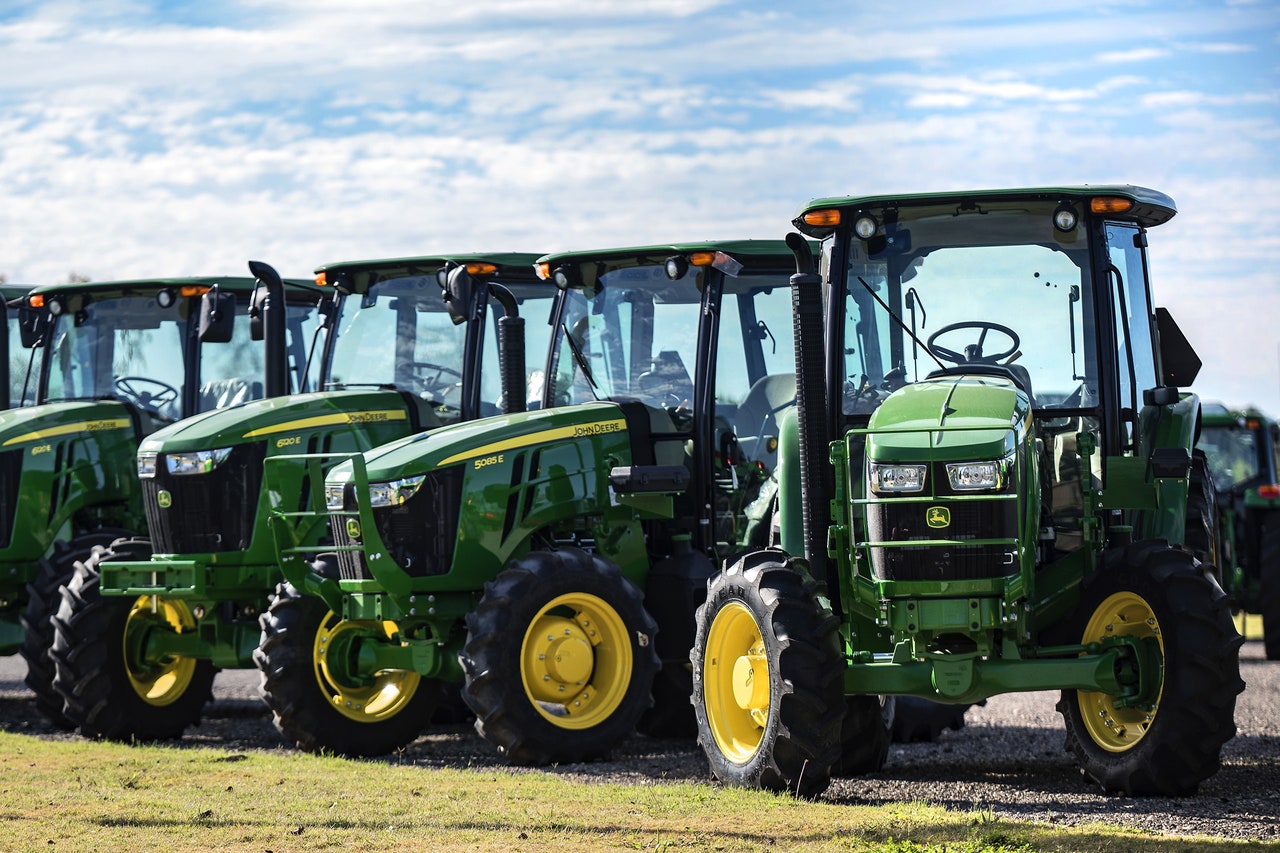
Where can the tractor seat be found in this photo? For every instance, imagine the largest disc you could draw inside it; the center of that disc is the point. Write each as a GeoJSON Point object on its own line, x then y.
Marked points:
{"type": "Point", "coordinates": [667, 382]}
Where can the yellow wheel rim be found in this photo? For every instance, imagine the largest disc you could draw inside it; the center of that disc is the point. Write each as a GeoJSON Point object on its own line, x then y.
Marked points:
{"type": "Point", "coordinates": [164, 682]}
{"type": "Point", "coordinates": [735, 682]}
{"type": "Point", "coordinates": [1124, 614]}
{"type": "Point", "coordinates": [388, 694]}
{"type": "Point", "coordinates": [575, 661]}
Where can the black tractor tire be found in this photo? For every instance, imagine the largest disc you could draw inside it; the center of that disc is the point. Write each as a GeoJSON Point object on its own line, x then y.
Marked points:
{"type": "Point", "coordinates": [864, 734]}
{"type": "Point", "coordinates": [768, 689]}
{"type": "Point", "coordinates": [1152, 590]}
{"type": "Point", "coordinates": [103, 692]}
{"type": "Point", "coordinates": [53, 572]}
{"type": "Point", "coordinates": [318, 714]}
{"type": "Point", "coordinates": [550, 625]}
{"type": "Point", "coordinates": [671, 716]}
{"type": "Point", "coordinates": [1269, 589]}
{"type": "Point", "coordinates": [1202, 536]}
{"type": "Point", "coordinates": [924, 720]}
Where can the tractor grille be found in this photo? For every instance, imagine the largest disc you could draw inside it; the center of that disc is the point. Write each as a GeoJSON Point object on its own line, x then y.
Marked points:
{"type": "Point", "coordinates": [903, 522]}
{"type": "Point", "coordinates": [10, 472]}
{"type": "Point", "coordinates": [419, 534]}
{"type": "Point", "coordinates": [208, 513]}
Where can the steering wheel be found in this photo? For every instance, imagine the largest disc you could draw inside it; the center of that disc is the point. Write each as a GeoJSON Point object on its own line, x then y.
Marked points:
{"type": "Point", "coordinates": [973, 352]}
{"type": "Point", "coordinates": [126, 385]}
{"type": "Point", "coordinates": [430, 374]}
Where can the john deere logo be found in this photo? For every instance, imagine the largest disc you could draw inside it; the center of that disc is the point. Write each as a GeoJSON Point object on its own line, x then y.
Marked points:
{"type": "Point", "coordinates": [353, 528]}
{"type": "Point", "coordinates": [164, 498]}
{"type": "Point", "coordinates": [937, 516]}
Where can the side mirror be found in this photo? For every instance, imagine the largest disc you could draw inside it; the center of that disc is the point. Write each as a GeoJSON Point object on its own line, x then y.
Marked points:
{"type": "Point", "coordinates": [1179, 363]}
{"type": "Point", "coordinates": [257, 325]}
{"type": "Point", "coordinates": [457, 294]}
{"type": "Point", "coordinates": [31, 325]}
{"type": "Point", "coordinates": [217, 316]}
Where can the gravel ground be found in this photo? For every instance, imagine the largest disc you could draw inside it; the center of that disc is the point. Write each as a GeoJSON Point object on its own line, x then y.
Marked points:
{"type": "Point", "coordinates": [1008, 759]}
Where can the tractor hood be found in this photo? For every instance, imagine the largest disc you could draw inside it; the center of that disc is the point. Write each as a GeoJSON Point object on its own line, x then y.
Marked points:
{"type": "Point", "coordinates": [484, 442]}
{"type": "Point", "coordinates": [34, 426]}
{"type": "Point", "coordinates": [950, 417]}
{"type": "Point", "coordinates": [280, 421]}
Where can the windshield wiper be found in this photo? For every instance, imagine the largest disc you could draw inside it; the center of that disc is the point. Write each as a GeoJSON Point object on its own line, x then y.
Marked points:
{"type": "Point", "coordinates": [910, 333]}
{"type": "Point", "coordinates": [581, 360]}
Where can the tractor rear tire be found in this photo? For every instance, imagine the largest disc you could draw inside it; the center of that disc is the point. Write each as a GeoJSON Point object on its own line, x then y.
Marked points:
{"type": "Point", "coordinates": [52, 573]}
{"type": "Point", "coordinates": [1154, 591]}
{"type": "Point", "coordinates": [924, 720]}
{"type": "Point", "coordinates": [864, 734]}
{"type": "Point", "coordinates": [106, 694]}
{"type": "Point", "coordinates": [768, 689]}
{"type": "Point", "coordinates": [314, 709]}
{"type": "Point", "coordinates": [559, 659]}
{"type": "Point", "coordinates": [1269, 588]}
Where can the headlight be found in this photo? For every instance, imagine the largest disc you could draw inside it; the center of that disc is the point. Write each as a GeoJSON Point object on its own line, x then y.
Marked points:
{"type": "Point", "coordinates": [396, 492]}
{"type": "Point", "coordinates": [196, 461]}
{"type": "Point", "coordinates": [979, 476]}
{"type": "Point", "coordinates": [146, 466]}
{"type": "Point", "coordinates": [897, 478]}
{"type": "Point", "coordinates": [334, 497]}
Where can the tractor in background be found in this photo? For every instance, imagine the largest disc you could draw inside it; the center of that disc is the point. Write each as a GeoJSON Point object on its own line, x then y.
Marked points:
{"type": "Point", "coordinates": [146, 622]}
{"type": "Point", "coordinates": [1241, 448]}
{"type": "Point", "coordinates": [549, 562]}
{"type": "Point", "coordinates": [113, 362]}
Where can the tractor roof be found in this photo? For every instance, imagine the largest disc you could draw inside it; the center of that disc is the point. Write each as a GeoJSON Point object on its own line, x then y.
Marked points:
{"type": "Point", "coordinates": [100, 289]}
{"type": "Point", "coordinates": [502, 266]}
{"type": "Point", "coordinates": [1218, 414]}
{"type": "Point", "coordinates": [1150, 207]}
{"type": "Point", "coordinates": [747, 252]}
{"type": "Point", "coordinates": [13, 291]}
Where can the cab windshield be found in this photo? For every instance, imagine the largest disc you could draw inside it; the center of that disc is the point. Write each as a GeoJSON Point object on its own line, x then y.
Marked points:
{"type": "Point", "coordinates": [995, 289]}
{"type": "Point", "coordinates": [635, 337]}
{"type": "Point", "coordinates": [132, 349]}
{"type": "Point", "coordinates": [399, 335]}
{"type": "Point", "coordinates": [1233, 453]}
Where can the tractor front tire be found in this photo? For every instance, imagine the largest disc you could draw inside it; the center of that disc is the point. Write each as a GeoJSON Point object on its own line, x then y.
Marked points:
{"type": "Point", "coordinates": [1202, 536]}
{"type": "Point", "coordinates": [52, 573]}
{"type": "Point", "coordinates": [1269, 588]}
{"type": "Point", "coordinates": [313, 705]}
{"type": "Point", "coordinates": [108, 692]}
{"type": "Point", "coordinates": [559, 659]}
{"type": "Point", "coordinates": [1158, 593]}
{"type": "Point", "coordinates": [768, 690]}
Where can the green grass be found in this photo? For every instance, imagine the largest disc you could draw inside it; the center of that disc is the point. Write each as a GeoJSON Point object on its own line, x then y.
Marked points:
{"type": "Point", "coordinates": [85, 796]}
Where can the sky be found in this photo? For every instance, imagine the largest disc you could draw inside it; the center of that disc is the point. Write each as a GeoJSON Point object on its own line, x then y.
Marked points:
{"type": "Point", "coordinates": [144, 139]}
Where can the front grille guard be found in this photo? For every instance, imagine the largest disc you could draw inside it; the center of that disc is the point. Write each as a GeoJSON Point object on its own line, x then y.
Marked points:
{"type": "Point", "coordinates": [295, 556]}
{"type": "Point", "coordinates": [855, 484]}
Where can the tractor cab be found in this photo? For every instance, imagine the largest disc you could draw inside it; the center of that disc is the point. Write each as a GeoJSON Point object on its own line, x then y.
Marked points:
{"type": "Point", "coordinates": [989, 343]}
{"type": "Point", "coordinates": [688, 340]}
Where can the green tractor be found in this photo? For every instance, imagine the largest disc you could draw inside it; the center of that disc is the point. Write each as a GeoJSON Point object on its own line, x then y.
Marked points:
{"type": "Point", "coordinates": [1241, 447]}
{"type": "Point", "coordinates": [145, 623]}
{"type": "Point", "coordinates": [551, 561]}
{"type": "Point", "coordinates": [15, 370]}
{"type": "Point", "coordinates": [119, 361]}
{"type": "Point", "coordinates": [984, 490]}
